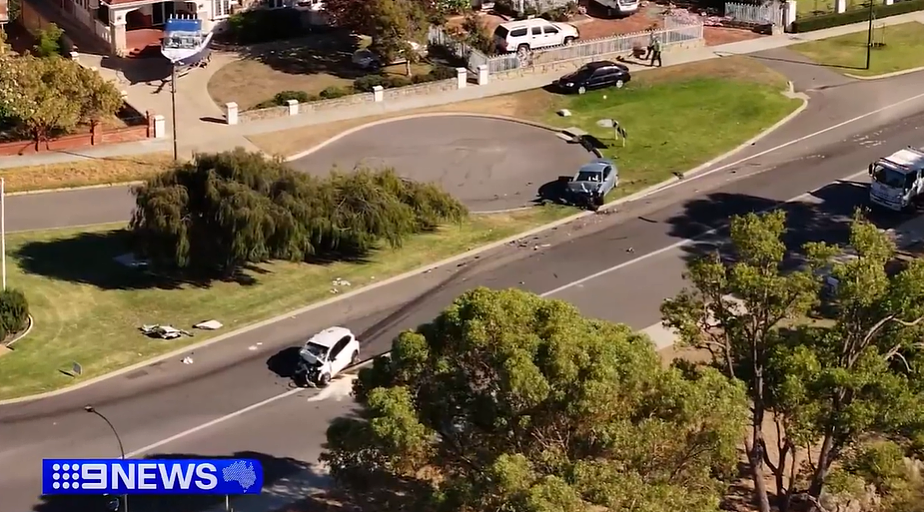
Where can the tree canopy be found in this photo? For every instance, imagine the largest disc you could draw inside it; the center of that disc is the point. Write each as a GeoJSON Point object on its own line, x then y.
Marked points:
{"type": "Point", "coordinates": [392, 24]}
{"type": "Point", "coordinates": [508, 401]}
{"type": "Point", "coordinates": [222, 211]}
{"type": "Point", "coordinates": [824, 386]}
{"type": "Point", "coordinates": [44, 97]}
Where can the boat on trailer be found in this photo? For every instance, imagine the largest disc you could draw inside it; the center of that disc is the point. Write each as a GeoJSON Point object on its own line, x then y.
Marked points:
{"type": "Point", "coordinates": [185, 43]}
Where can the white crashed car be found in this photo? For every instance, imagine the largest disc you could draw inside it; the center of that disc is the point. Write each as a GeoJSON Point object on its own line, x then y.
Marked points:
{"type": "Point", "coordinates": [326, 354]}
{"type": "Point", "coordinates": [365, 59]}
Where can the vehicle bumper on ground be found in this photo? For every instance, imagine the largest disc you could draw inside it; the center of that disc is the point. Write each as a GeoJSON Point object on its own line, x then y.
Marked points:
{"type": "Point", "coordinates": [564, 87]}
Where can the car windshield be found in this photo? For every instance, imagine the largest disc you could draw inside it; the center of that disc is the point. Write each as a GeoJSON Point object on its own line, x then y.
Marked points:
{"type": "Point", "coordinates": [889, 177]}
{"type": "Point", "coordinates": [588, 176]}
{"type": "Point", "coordinates": [316, 350]}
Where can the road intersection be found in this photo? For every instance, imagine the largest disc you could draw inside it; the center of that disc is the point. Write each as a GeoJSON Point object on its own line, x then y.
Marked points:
{"type": "Point", "coordinates": [635, 254]}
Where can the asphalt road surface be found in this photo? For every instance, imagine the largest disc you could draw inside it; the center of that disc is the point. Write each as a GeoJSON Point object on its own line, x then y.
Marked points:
{"type": "Point", "coordinates": [617, 266]}
{"type": "Point", "coordinates": [488, 164]}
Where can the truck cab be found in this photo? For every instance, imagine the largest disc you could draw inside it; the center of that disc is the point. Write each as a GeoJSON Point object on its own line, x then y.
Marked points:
{"type": "Point", "coordinates": [897, 180]}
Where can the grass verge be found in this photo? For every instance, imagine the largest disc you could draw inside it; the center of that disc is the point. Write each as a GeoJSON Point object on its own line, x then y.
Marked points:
{"type": "Point", "coordinates": [903, 49]}
{"type": "Point", "coordinates": [78, 173]}
{"type": "Point", "coordinates": [677, 117]}
{"type": "Point", "coordinates": [88, 308]}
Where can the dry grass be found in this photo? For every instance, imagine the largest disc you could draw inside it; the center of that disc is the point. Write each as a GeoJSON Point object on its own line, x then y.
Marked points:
{"type": "Point", "coordinates": [96, 171]}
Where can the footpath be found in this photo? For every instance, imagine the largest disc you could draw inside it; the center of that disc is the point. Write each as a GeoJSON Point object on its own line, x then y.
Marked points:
{"type": "Point", "coordinates": [200, 119]}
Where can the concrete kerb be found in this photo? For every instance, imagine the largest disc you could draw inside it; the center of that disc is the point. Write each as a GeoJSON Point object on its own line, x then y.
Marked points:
{"type": "Point", "coordinates": [448, 261]}
{"type": "Point", "coordinates": [70, 189]}
{"type": "Point", "coordinates": [886, 75]}
{"type": "Point", "coordinates": [23, 334]}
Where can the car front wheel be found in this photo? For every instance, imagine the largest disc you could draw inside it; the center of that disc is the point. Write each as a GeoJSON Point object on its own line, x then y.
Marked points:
{"type": "Point", "coordinates": [582, 89]}
{"type": "Point", "coordinates": [569, 40]}
{"type": "Point", "coordinates": [324, 380]}
{"type": "Point", "coordinates": [354, 360]}
{"type": "Point", "coordinates": [619, 84]}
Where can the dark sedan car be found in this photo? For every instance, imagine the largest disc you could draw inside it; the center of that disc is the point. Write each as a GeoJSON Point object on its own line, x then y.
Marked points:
{"type": "Point", "coordinates": [595, 75]}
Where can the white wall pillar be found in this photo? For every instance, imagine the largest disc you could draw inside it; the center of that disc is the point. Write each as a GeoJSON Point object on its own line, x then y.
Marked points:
{"type": "Point", "coordinates": [231, 113]}
{"type": "Point", "coordinates": [378, 93]}
{"type": "Point", "coordinates": [75, 56]}
{"type": "Point", "coordinates": [483, 74]}
{"type": "Point", "coordinates": [461, 77]}
{"type": "Point", "coordinates": [789, 14]}
{"type": "Point", "coordinates": [293, 107]}
{"type": "Point", "coordinates": [160, 127]}
{"type": "Point", "coordinates": [889, 2]}
{"type": "Point", "coordinates": [841, 6]}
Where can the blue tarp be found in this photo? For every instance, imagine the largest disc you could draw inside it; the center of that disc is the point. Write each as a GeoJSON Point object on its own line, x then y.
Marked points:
{"type": "Point", "coordinates": [181, 25]}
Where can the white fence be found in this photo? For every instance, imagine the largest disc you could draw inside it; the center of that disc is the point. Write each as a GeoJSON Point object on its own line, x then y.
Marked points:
{"type": "Point", "coordinates": [538, 6]}
{"type": "Point", "coordinates": [767, 13]}
{"type": "Point", "coordinates": [437, 36]}
{"type": "Point", "coordinates": [624, 43]}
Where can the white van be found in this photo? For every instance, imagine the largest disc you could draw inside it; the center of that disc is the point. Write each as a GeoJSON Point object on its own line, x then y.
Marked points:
{"type": "Point", "coordinates": [619, 8]}
{"type": "Point", "coordinates": [533, 33]}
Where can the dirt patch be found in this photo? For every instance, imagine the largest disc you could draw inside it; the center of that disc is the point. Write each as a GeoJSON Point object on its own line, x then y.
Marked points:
{"type": "Point", "coordinates": [522, 105]}
{"type": "Point", "coordinates": [309, 64]}
{"type": "Point", "coordinates": [98, 171]}
{"type": "Point", "coordinates": [716, 36]}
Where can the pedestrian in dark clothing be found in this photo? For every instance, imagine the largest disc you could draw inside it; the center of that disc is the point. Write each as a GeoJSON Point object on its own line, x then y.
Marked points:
{"type": "Point", "coordinates": [655, 51]}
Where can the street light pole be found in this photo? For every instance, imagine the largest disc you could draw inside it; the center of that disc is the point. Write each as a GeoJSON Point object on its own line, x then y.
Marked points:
{"type": "Point", "coordinates": [869, 36]}
{"type": "Point", "coordinates": [3, 229]}
{"type": "Point", "coordinates": [91, 410]}
{"type": "Point", "coordinates": [173, 105]}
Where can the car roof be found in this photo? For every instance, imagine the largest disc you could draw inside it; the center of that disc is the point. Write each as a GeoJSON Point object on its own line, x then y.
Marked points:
{"type": "Point", "coordinates": [604, 64]}
{"type": "Point", "coordinates": [526, 23]}
{"type": "Point", "coordinates": [596, 165]}
{"type": "Point", "coordinates": [328, 337]}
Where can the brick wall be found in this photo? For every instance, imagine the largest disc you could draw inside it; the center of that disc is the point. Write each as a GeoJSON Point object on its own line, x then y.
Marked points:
{"type": "Point", "coordinates": [93, 138]}
{"type": "Point", "coordinates": [565, 66]}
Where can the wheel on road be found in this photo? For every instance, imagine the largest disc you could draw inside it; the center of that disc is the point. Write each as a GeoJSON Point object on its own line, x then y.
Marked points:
{"type": "Point", "coordinates": [582, 89]}
{"type": "Point", "coordinates": [354, 359]}
{"type": "Point", "coordinates": [619, 84]}
{"type": "Point", "coordinates": [523, 50]}
{"type": "Point", "coordinates": [324, 380]}
{"type": "Point", "coordinates": [569, 40]}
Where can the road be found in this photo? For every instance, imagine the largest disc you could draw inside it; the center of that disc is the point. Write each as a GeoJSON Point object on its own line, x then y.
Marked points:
{"type": "Point", "coordinates": [636, 255]}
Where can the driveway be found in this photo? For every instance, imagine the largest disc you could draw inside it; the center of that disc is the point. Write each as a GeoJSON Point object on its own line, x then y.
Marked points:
{"type": "Point", "coordinates": [488, 164]}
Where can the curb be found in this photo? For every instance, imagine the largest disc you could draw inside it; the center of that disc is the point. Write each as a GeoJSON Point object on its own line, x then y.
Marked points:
{"type": "Point", "coordinates": [351, 131]}
{"type": "Point", "coordinates": [73, 189]}
{"type": "Point", "coordinates": [886, 75]}
{"type": "Point", "coordinates": [9, 345]}
{"type": "Point", "coordinates": [468, 254]}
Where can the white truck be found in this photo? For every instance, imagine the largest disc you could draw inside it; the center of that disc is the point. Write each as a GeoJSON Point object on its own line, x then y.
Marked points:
{"type": "Point", "coordinates": [897, 180]}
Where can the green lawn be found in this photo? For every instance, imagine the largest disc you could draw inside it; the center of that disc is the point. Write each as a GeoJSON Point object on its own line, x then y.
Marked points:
{"type": "Point", "coordinates": [679, 117]}
{"type": "Point", "coordinates": [903, 49]}
{"type": "Point", "coordinates": [88, 308]}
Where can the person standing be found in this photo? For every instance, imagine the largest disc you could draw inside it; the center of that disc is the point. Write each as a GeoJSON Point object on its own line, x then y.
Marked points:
{"type": "Point", "coordinates": [655, 51]}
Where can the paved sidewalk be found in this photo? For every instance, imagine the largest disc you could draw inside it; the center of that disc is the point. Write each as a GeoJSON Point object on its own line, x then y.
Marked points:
{"type": "Point", "coordinates": [199, 118]}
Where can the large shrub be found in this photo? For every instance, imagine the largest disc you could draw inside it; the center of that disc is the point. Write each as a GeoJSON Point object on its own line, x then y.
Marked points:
{"type": "Point", "coordinates": [835, 20]}
{"type": "Point", "coordinates": [14, 312]}
{"type": "Point", "coordinates": [262, 25]}
{"type": "Point", "coordinates": [222, 211]}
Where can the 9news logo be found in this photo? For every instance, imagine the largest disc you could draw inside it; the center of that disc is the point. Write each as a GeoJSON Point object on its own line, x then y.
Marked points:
{"type": "Point", "coordinates": [65, 476]}
{"type": "Point", "coordinates": [170, 476]}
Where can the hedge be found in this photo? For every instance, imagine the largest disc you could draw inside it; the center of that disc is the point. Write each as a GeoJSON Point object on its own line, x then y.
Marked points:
{"type": "Point", "coordinates": [836, 20]}
{"type": "Point", "coordinates": [14, 312]}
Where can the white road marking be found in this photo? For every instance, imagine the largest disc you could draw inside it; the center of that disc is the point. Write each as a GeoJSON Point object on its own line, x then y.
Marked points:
{"type": "Point", "coordinates": [663, 250]}
{"type": "Point", "coordinates": [676, 244]}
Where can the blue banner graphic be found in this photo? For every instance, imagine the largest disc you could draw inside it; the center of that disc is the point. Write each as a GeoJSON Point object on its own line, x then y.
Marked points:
{"type": "Point", "coordinates": [138, 476]}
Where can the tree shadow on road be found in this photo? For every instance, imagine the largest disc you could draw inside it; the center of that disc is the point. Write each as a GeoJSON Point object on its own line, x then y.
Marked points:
{"type": "Point", "coordinates": [823, 215]}
{"type": "Point", "coordinates": [285, 480]}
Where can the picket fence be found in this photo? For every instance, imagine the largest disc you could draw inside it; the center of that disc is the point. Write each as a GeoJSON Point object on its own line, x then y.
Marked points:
{"type": "Point", "coordinates": [767, 13]}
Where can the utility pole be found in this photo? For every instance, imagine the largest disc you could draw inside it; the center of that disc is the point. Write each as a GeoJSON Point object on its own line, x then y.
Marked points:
{"type": "Point", "coordinates": [173, 104]}
{"type": "Point", "coordinates": [3, 228]}
{"type": "Point", "coordinates": [869, 37]}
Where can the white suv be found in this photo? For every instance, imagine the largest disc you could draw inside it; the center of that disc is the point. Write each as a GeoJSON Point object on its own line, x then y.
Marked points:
{"type": "Point", "coordinates": [326, 354]}
{"type": "Point", "coordinates": [525, 35]}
